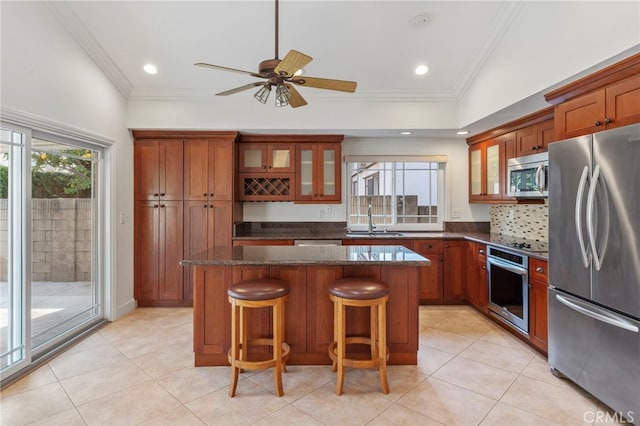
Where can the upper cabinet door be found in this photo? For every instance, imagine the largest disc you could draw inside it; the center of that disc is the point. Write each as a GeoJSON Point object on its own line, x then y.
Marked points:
{"type": "Point", "coordinates": [318, 176]}
{"type": "Point", "coordinates": [486, 171]}
{"type": "Point", "coordinates": [267, 158]}
{"type": "Point", "coordinates": [623, 102]}
{"type": "Point", "coordinates": [158, 169]}
{"type": "Point", "coordinates": [208, 170]}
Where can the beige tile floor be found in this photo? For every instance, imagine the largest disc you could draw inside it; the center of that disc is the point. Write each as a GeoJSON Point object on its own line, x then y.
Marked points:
{"type": "Point", "coordinates": [139, 370]}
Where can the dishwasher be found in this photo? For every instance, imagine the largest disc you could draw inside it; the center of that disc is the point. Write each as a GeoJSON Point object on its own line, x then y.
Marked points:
{"type": "Point", "coordinates": [317, 242]}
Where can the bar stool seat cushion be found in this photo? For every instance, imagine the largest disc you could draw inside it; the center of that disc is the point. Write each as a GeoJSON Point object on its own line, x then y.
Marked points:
{"type": "Point", "coordinates": [359, 288]}
{"type": "Point", "coordinates": [258, 289]}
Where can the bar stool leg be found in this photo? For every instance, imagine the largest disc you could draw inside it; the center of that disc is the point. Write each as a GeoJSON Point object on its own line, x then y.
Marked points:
{"type": "Point", "coordinates": [277, 347]}
{"type": "Point", "coordinates": [235, 347]}
{"type": "Point", "coordinates": [341, 340]}
{"type": "Point", "coordinates": [373, 328]}
{"type": "Point", "coordinates": [336, 332]}
{"type": "Point", "coordinates": [382, 345]}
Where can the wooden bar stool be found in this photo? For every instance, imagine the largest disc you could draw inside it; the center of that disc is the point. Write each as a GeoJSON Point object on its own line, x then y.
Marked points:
{"type": "Point", "coordinates": [258, 293]}
{"type": "Point", "coordinates": [359, 292]}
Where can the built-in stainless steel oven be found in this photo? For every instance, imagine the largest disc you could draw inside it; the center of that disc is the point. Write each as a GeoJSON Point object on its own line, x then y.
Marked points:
{"type": "Point", "coordinates": [509, 287]}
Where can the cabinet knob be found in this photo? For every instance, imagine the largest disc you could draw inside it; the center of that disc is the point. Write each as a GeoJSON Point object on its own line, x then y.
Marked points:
{"type": "Point", "coordinates": [155, 194]}
{"type": "Point", "coordinates": [598, 123]}
{"type": "Point", "coordinates": [211, 195]}
{"type": "Point", "coordinates": [155, 206]}
{"type": "Point", "coordinates": [534, 148]}
{"type": "Point", "coordinates": [204, 195]}
{"type": "Point", "coordinates": [446, 246]}
{"type": "Point", "coordinates": [607, 120]}
{"type": "Point", "coordinates": [429, 245]}
{"type": "Point", "coordinates": [481, 251]}
{"type": "Point", "coordinates": [162, 194]}
{"type": "Point", "coordinates": [205, 206]}
{"type": "Point", "coordinates": [484, 267]}
{"type": "Point", "coordinates": [540, 269]}
{"type": "Point", "coordinates": [162, 206]}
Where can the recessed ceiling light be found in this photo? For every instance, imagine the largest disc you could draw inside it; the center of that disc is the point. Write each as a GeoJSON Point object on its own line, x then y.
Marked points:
{"type": "Point", "coordinates": [406, 132]}
{"type": "Point", "coordinates": [462, 132]}
{"type": "Point", "coordinates": [150, 69]}
{"type": "Point", "coordinates": [422, 69]}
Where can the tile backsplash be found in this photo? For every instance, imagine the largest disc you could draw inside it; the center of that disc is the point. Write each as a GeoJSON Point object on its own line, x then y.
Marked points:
{"type": "Point", "coordinates": [530, 221]}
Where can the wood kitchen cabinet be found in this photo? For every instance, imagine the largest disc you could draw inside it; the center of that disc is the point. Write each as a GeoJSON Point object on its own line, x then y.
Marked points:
{"type": "Point", "coordinates": [486, 171]}
{"type": "Point", "coordinates": [614, 106]}
{"type": "Point", "coordinates": [184, 190]}
{"type": "Point", "coordinates": [208, 170]}
{"type": "Point", "coordinates": [267, 157]}
{"type": "Point", "coordinates": [158, 169]}
{"type": "Point", "coordinates": [206, 224]}
{"type": "Point", "coordinates": [538, 304]}
{"type": "Point", "coordinates": [606, 99]}
{"type": "Point", "coordinates": [158, 250]}
{"type": "Point", "coordinates": [455, 270]}
{"type": "Point", "coordinates": [534, 139]}
{"type": "Point", "coordinates": [318, 173]}
{"type": "Point", "coordinates": [431, 277]}
{"type": "Point", "coordinates": [477, 285]}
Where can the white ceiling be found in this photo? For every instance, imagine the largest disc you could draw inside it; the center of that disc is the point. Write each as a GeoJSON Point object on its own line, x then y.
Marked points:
{"type": "Point", "coordinates": [375, 43]}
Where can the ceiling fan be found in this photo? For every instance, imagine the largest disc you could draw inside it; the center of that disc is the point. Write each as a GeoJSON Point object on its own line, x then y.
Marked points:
{"type": "Point", "coordinates": [281, 74]}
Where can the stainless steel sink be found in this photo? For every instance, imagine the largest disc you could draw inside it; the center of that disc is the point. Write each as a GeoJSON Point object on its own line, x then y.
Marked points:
{"type": "Point", "coordinates": [379, 234]}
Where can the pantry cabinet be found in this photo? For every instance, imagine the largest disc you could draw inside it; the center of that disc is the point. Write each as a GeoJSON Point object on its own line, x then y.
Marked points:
{"type": "Point", "coordinates": [208, 170]}
{"type": "Point", "coordinates": [157, 253]}
{"type": "Point", "coordinates": [318, 173]}
{"type": "Point", "coordinates": [183, 186]}
{"type": "Point", "coordinates": [158, 166]}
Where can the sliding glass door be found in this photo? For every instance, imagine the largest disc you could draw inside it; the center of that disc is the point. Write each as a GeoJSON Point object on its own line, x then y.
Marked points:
{"type": "Point", "coordinates": [51, 286]}
{"type": "Point", "coordinates": [65, 292]}
{"type": "Point", "coordinates": [12, 289]}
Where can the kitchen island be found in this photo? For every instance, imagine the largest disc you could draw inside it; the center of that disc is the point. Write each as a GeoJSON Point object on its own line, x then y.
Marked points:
{"type": "Point", "coordinates": [309, 312]}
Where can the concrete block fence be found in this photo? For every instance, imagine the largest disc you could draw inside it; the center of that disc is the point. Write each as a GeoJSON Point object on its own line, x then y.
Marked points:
{"type": "Point", "coordinates": [61, 234]}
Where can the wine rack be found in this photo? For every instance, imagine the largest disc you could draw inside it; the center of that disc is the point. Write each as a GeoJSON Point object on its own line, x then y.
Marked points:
{"type": "Point", "coordinates": [267, 187]}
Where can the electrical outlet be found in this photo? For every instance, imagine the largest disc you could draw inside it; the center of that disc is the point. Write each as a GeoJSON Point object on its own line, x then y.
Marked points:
{"type": "Point", "coordinates": [122, 217]}
{"type": "Point", "coordinates": [456, 213]}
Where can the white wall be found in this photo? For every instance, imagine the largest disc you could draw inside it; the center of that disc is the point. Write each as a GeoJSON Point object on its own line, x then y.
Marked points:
{"type": "Point", "coordinates": [518, 66]}
{"type": "Point", "coordinates": [456, 182]}
{"type": "Point", "coordinates": [46, 74]}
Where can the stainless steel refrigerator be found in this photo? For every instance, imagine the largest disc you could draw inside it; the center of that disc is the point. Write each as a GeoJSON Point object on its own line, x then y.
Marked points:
{"type": "Point", "coordinates": [594, 265]}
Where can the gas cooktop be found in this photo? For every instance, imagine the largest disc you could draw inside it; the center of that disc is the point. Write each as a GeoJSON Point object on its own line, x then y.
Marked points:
{"type": "Point", "coordinates": [520, 243]}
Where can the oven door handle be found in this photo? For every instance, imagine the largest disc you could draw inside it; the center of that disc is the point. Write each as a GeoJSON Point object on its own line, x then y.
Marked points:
{"type": "Point", "coordinates": [510, 268]}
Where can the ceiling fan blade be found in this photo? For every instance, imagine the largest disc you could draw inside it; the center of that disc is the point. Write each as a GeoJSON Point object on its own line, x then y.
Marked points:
{"type": "Point", "coordinates": [240, 89]}
{"type": "Point", "coordinates": [292, 62]}
{"type": "Point", "coordinates": [218, 67]}
{"type": "Point", "coordinates": [326, 83]}
{"type": "Point", "coordinates": [296, 100]}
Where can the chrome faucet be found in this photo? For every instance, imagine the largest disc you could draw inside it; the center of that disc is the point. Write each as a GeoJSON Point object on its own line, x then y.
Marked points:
{"type": "Point", "coordinates": [372, 226]}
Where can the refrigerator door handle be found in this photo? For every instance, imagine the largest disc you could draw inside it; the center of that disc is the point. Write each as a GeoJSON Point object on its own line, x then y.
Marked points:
{"type": "Point", "coordinates": [586, 256]}
{"type": "Point", "coordinates": [590, 225]}
{"type": "Point", "coordinates": [609, 319]}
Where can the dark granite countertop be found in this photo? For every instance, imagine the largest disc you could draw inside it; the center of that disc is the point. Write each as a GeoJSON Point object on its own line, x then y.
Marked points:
{"type": "Point", "coordinates": [307, 255]}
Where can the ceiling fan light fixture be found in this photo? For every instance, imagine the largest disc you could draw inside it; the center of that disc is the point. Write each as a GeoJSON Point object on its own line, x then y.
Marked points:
{"type": "Point", "coordinates": [263, 94]}
{"type": "Point", "coordinates": [282, 95]}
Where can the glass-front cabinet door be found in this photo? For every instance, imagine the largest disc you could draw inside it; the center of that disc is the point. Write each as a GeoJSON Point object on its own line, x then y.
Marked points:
{"type": "Point", "coordinates": [318, 172]}
{"type": "Point", "coordinates": [485, 171]}
{"type": "Point", "coordinates": [265, 158]}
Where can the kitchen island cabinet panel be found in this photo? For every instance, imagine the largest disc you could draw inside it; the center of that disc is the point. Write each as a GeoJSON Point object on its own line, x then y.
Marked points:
{"type": "Point", "coordinates": [431, 277]}
{"type": "Point", "coordinates": [319, 307]}
{"type": "Point", "coordinates": [309, 315]}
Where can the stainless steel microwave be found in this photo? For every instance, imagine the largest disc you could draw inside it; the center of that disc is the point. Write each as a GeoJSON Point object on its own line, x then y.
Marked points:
{"type": "Point", "coordinates": [528, 176]}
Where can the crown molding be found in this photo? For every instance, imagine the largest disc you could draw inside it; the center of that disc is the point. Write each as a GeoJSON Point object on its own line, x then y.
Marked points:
{"type": "Point", "coordinates": [499, 27]}
{"type": "Point", "coordinates": [75, 27]}
{"type": "Point", "coordinates": [152, 94]}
